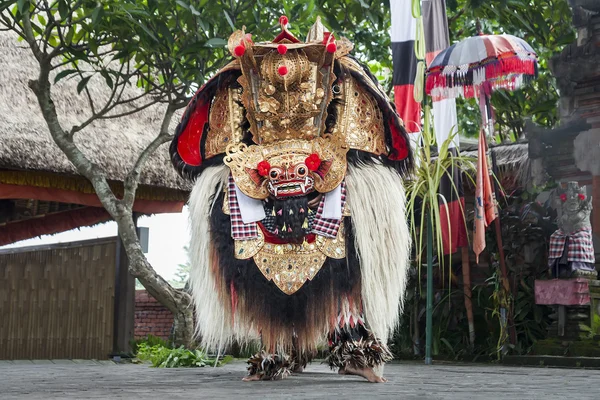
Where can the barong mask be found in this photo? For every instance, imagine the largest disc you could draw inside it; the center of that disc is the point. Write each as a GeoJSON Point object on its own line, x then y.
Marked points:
{"type": "Point", "coordinates": [283, 116]}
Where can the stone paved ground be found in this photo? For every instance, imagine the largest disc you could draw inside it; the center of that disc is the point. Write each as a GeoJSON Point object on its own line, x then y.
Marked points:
{"type": "Point", "coordinates": [88, 380]}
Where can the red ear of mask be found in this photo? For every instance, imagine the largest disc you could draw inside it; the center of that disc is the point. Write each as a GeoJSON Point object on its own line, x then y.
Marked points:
{"type": "Point", "coordinates": [188, 143]}
{"type": "Point", "coordinates": [399, 145]}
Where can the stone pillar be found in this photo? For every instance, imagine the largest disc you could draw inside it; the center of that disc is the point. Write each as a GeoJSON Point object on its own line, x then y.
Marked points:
{"type": "Point", "coordinates": [596, 204]}
{"type": "Point", "coordinates": [587, 158]}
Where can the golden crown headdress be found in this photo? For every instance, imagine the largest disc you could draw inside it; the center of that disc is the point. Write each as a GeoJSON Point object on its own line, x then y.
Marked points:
{"type": "Point", "coordinates": [290, 99]}
{"type": "Point", "coordinates": [287, 84]}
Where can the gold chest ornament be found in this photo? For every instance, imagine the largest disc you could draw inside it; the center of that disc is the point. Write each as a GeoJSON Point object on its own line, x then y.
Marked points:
{"type": "Point", "coordinates": [290, 266]}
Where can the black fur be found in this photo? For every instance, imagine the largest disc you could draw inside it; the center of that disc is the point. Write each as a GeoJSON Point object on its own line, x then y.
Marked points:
{"type": "Point", "coordinates": [263, 298]}
{"type": "Point", "coordinates": [289, 224]}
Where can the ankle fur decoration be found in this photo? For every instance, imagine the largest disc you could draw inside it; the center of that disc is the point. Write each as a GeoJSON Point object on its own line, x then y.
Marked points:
{"type": "Point", "coordinates": [270, 366]}
{"type": "Point", "coordinates": [366, 352]}
{"type": "Point", "coordinates": [299, 360]}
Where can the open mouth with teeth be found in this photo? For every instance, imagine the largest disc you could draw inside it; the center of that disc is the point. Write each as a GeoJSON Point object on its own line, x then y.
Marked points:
{"type": "Point", "coordinates": [291, 188]}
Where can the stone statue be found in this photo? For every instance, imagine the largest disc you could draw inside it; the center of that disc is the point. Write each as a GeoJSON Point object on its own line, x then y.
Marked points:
{"type": "Point", "coordinates": [571, 246]}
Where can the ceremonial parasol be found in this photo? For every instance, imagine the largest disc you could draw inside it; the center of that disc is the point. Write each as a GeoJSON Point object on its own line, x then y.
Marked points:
{"type": "Point", "coordinates": [480, 64]}
{"type": "Point", "coordinates": [475, 67]}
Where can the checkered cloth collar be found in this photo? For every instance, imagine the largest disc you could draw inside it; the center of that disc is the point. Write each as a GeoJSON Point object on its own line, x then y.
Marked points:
{"type": "Point", "coordinates": [240, 231]}
{"type": "Point", "coordinates": [580, 245]}
{"type": "Point", "coordinates": [325, 226]}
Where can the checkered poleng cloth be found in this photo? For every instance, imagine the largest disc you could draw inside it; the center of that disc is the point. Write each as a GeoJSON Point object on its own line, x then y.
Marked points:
{"type": "Point", "coordinates": [241, 231]}
{"type": "Point", "coordinates": [324, 226]}
{"type": "Point", "coordinates": [581, 247]}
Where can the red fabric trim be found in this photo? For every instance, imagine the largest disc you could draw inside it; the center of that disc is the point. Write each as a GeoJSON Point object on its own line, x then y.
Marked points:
{"type": "Point", "coordinates": [85, 199]}
{"type": "Point", "coordinates": [455, 235]}
{"type": "Point", "coordinates": [274, 239]}
{"type": "Point", "coordinates": [285, 34]}
{"type": "Point", "coordinates": [188, 143]}
{"type": "Point", "coordinates": [399, 146]}
{"type": "Point", "coordinates": [51, 224]}
{"type": "Point", "coordinates": [408, 109]}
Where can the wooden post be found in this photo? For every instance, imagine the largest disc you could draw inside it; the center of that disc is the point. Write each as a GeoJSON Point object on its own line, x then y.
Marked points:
{"type": "Point", "coordinates": [505, 282]}
{"type": "Point", "coordinates": [466, 272]}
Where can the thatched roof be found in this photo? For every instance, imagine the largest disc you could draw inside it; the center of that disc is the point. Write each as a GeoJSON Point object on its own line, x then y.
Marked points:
{"type": "Point", "coordinates": [25, 143]}
{"type": "Point", "coordinates": [512, 156]}
{"type": "Point", "coordinates": [512, 160]}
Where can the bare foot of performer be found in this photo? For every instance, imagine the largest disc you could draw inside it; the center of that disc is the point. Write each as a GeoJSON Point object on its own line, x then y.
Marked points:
{"type": "Point", "coordinates": [367, 373]}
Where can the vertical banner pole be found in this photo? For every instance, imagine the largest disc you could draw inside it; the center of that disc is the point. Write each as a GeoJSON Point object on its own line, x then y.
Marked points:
{"type": "Point", "coordinates": [429, 312]}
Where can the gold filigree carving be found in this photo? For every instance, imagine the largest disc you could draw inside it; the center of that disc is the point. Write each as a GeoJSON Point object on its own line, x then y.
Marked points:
{"type": "Point", "coordinates": [290, 105]}
{"type": "Point", "coordinates": [225, 121]}
{"type": "Point", "coordinates": [333, 247]}
{"type": "Point", "coordinates": [290, 271]}
{"type": "Point", "coordinates": [344, 47]}
{"type": "Point", "coordinates": [245, 249]}
{"type": "Point", "coordinates": [225, 208]}
{"type": "Point", "coordinates": [289, 266]}
{"type": "Point", "coordinates": [360, 120]}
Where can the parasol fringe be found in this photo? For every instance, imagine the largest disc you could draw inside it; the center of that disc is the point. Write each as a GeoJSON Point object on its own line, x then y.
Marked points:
{"type": "Point", "coordinates": [508, 72]}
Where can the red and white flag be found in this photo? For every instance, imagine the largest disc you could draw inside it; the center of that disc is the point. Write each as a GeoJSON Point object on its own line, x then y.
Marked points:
{"type": "Point", "coordinates": [403, 35]}
{"type": "Point", "coordinates": [454, 230]}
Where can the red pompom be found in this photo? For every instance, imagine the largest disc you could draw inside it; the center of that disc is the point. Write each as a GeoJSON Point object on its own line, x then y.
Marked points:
{"type": "Point", "coordinates": [313, 162]}
{"type": "Point", "coordinates": [239, 50]}
{"type": "Point", "coordinates": [581, 196]}
{"type": "Point", "coordinates": [263, 168]}
{"type": "Point", "coordinates": [563, 197]}
{"type": "Point", "coordinates": [282, 70]}
{"type": "Point", "coordinates": [331, 48]}
{"type": "Point", "coordinates": [283, 20]}
{"type": "Point", "coordinates": [282, 49]}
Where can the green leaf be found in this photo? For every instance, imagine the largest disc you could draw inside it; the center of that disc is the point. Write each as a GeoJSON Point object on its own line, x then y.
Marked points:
{"type": "Point", "coordinates": [107, 78]}
{"type": "Point", "coordinates": [96, 14]}
{"type": "Point", "coordinates": [216, 42]}
{"type": "Point", "coordinates": [145, 29]}
{"type": "Point", "coordinates": [63, 9]}
{"type": "Point", "coordinates": [194, 11]}
{"type": "Point", "coordinates": [22, 6]}
{"type": "Point", "coordinates": [83, 83]}
{"type": "Point", "coordinates": [63, 74]}
{"type": "Point", "coordinates": [183, 4]}
{"type": "Point", "coordinates": [229, 20]}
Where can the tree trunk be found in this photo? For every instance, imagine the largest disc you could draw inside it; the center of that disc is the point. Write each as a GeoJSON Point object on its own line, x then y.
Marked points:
{"type": "Point", "coordinates": [178, 301]}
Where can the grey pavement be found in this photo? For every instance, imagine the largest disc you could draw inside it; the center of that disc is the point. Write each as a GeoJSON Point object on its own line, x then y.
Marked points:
{"type": "Point", "coordinates": [102, 380]}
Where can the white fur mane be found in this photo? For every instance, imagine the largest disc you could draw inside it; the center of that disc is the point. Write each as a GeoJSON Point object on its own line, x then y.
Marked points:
{"type": "Point", "coordinates": [382, 239]}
